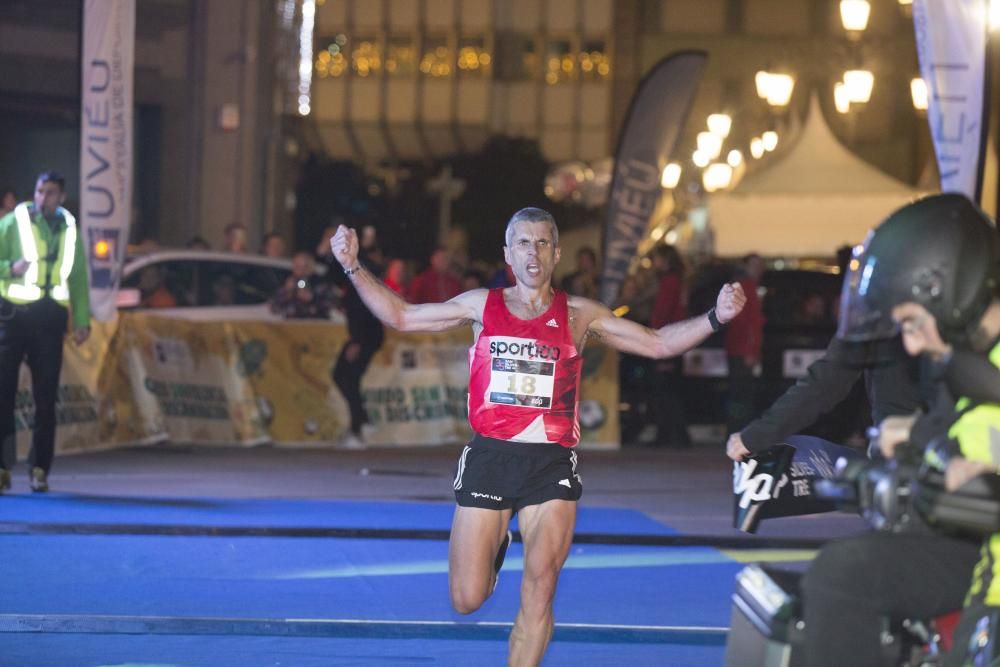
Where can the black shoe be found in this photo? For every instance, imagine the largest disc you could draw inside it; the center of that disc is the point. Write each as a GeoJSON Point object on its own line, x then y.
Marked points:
{"type": "Point", "coordinates": [4, 480]}
{"type": "Point", "coordinates": [501, 554]}
{"type": "Point", "coordinates": [39, 480]}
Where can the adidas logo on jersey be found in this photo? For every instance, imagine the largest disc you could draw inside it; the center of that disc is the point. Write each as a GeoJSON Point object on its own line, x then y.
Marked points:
{"type": "Point", "coordinates": [552, 323]}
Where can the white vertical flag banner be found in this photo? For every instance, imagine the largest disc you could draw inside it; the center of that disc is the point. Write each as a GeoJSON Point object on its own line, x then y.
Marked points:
{"type": "Point", "coordinates": [951, 38]}
{"type": "Point", "coordinates": [106, 114]}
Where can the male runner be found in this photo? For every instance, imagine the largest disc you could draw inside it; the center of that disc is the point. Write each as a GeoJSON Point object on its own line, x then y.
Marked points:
{"type": "Point", "coordinates": [524, 379]}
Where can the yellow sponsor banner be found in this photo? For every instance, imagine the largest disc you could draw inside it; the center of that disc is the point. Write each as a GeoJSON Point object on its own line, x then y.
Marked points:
{"type": "Point", "coordinates": [183, 383]}
{"type": "Point", "coordinates": [417, 388]}
{"type": "Point", "coordinates": [599, 398]}
{"type": "Point", "coordinates": [289, 366]}
{"type": "Point", "coordinates": [78, 408]}
{"type": "Point", "coordinates": [149, 378]}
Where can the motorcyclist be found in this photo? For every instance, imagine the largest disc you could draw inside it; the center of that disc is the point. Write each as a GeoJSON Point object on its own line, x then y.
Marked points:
{"type": "Point", "coordinates": [928, 272]}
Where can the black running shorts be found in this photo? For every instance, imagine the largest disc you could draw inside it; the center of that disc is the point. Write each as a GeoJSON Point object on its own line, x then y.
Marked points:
{"type": "Point", "coordinates": [496, 474]}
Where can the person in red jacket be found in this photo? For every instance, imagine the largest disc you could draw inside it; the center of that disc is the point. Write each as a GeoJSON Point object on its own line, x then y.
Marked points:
{"type": "Point", "coordinates": [670, 306]}
{"type": "Point", "coordinates": [436, 283]}
{"type": "Point", "coordinates": [744, 341]}
{"type": "Point", "coordinates": [524, 377]}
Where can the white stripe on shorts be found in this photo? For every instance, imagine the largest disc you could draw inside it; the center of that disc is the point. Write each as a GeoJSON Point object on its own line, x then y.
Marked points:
{"type": "Point", "coordinates": [461, 468]}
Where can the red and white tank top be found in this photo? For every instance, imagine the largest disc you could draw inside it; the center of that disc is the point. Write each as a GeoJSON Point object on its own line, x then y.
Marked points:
{"type": "Point", "coordinates": [524, 375]}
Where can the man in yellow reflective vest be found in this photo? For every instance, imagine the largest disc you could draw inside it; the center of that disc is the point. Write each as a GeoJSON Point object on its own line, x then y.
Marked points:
{"type": "Point", "coordinates": [43, 280]}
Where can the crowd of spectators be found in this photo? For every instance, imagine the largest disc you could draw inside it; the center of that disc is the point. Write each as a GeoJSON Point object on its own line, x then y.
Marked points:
{"type": "Point", "coordinates": [656, 294]}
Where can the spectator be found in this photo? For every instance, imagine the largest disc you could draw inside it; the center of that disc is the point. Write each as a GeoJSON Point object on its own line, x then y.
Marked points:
{"type": "Point", "coordinates": [365, 336]}
{"type": "Point", "coordinates": [223, 290]}
{"type": "Point", "coordinates": [368, 240]}
{"type": "Point", "coordinates": [235, 237]}
{"type": "Point", "coordinates": [472, 279]}
{"type": "Point", "coordinates": [812, 310]}
{"type": "Point", "coordinates": [395, 276]}
{"type": "Point", "coordinates": [670, 306]}
{"type": "Point", "coordinates": [197, 243]}
{"type": "Point", "coordinates": [8, 200]}
{"type": "Point", "coordinates": [368, 244]}
{"type": "Point", "coordinates": [303, 295]}
{"type": "Point", "coordinates": [744, 341]}
{"type": "Point", "coordinates": [153, 292]}
{"type": "Point", "coordinates": [273, 245]}
{"type": "Point", "coordinates": [584, 281]}
{"type": "Point", "coordinates": [634, 371]}
{"type": "Point", "coordinates": [436, 284]}
{"type": "Point", "coordinates": [502, 277]}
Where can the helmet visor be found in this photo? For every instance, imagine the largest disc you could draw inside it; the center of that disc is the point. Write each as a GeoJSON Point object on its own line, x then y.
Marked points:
{"type": "Point", "coordinates": [861, 319]}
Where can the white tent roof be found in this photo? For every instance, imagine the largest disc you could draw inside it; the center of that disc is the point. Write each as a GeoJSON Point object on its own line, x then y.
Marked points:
{"type": "Point", "coordinates": [815, 198]}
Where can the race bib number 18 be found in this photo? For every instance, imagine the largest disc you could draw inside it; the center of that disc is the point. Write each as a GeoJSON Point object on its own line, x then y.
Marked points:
{"type": "Point", "coordinates": [521, 382]}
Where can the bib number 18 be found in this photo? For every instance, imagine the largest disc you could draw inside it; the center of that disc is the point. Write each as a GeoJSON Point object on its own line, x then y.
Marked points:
{"type": "Point", "coordinates": [521, 384]}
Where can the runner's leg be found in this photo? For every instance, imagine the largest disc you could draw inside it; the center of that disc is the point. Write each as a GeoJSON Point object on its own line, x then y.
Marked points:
{"type": "Point", "coordinates": [476, 534]}
{"type": "Point", "coordinates": [547, 533]}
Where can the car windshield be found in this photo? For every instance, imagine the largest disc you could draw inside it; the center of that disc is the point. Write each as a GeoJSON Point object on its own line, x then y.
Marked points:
{"type": "Point", "coordinates": [190, 282]}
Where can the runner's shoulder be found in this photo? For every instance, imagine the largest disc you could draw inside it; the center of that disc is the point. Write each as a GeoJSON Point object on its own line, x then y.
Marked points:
{"type": "Point", "coordinates": [474, 300]}
{"type": "Point", "coordinates": [586, 308]}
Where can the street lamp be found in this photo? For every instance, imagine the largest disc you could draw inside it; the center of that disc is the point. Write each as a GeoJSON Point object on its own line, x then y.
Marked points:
{"type": "Point", "coordinates": [719, 124]}
{"type": "Point", "coordinates": [918, 91]}
{"type": "Point", "coordinates": [709, 144]}
{"type": "Point", "coordinates": [671, 176]}
{"type": "Point", "coordinates": [854, 15]}
{"type": "Point", "coordinates": [859, 84]}
{"type": "Point", "coordinates": [841, 100]}
{"type": "Point", "coordinates": [775, 88]}
{"type": "Point", "coordinates": [770, 140]}
{"type": "Point", "coordinates": [717, 176]}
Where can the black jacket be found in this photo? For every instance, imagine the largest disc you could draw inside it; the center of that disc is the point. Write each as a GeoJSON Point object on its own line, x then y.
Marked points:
{"type": "Point", "coordinates": [362, 326]}
{"type": "Point", "coordinates": [893, 389]}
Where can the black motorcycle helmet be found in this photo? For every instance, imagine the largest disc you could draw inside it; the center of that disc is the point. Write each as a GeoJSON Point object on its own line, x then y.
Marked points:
{"type": "Point", "coordinates": [940, 252]}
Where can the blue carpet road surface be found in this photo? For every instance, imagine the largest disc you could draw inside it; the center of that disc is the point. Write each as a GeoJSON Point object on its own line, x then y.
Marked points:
{"type": "Point", "coordinates": [320, 600]}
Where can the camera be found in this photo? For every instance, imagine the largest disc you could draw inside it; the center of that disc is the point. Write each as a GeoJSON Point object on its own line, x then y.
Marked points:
{"type": "Point", "coordinates": [878, 490]}
{"type": "Point", "coordinates": [890, 494]}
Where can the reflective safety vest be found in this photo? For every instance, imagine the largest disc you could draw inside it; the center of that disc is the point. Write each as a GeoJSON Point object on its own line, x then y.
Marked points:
{"type": "Point", "coordinates": [978, 434]}
{"type": "Point", "coordinates": [977, 430]}
{"type": "Point", "coordinates": [27, 288]}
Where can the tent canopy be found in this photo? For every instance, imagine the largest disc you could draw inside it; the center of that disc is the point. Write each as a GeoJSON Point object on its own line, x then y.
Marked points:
{"type": "Point", "coordinates": [815, 198]}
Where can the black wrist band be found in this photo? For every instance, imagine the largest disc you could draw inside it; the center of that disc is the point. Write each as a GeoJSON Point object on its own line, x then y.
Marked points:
{"type": "Point", "coordinates": [713, 320]}
{"type": "Point", "coordinates": [351, 272]}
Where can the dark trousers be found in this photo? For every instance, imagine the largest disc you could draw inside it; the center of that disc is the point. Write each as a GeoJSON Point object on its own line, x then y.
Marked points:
{"type": "Point", "coordinates": [32, 333]}
{"type": "Point", "coordinates": [855, 583]}
{"type": "Point", "coordinates": [671, 423]}
{"type": "Point", "coordinates": [740, 397]}
{"type": "Point", "coordinates": [347, 376]}
{"type": "Point", "coordinates": [978, 619]}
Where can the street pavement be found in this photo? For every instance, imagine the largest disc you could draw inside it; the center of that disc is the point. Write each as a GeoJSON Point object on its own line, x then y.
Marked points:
{"type": "Point", "coordinates": [687, 489]}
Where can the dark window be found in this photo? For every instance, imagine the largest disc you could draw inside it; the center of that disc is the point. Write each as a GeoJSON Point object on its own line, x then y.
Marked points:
{"type": "Point", "coordinates": [238, 284]}
{"type": "Point", "coordinates": [194, 282]}
{"type": "Point", "coordinates": [164, 284]}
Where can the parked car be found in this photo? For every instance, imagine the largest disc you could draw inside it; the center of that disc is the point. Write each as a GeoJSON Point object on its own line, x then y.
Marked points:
{"type": "Point", "coordinates": [800, 306]}
{"type": "Point", "coordinates": [202, 284]}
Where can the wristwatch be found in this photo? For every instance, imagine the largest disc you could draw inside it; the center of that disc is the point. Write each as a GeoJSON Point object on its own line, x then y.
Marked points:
{"type": "Point", "coordinates": [714, 321]}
